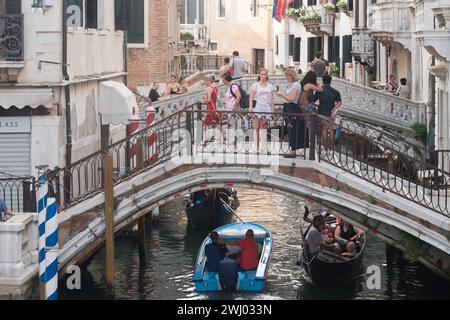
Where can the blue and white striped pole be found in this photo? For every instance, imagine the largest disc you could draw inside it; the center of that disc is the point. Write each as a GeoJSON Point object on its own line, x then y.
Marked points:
{"type": "Point", "coordinates": [51, 248]}
{"type": "Point", "coordinates": [41, 197]}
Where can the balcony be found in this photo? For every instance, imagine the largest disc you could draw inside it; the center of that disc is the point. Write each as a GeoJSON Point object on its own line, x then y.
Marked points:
{"type": "Point", "coordinates": [318, 21]}
{"type": "Point", "coordinates": [391, 23]}
{"type": "Point", "coordinates": [362, 46]}
{"type": "Point", "coordinates": [198, 31]}
{"type": "Point", "coordinates": [432, 26]}
{"type": "Point", "coordinates": [11, 47]}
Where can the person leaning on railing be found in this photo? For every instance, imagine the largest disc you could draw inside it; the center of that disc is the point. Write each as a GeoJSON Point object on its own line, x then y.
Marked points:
{"type": "Point", "coordinates": [4, 211]}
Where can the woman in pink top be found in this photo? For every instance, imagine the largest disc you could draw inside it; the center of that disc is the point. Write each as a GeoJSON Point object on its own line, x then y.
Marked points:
{"type": "Point", "coordinates": [263, 93]}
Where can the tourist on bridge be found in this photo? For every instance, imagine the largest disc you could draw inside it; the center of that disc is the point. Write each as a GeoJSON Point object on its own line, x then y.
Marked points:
{"type": "Point", "coordinates": [232, 101]}
{"type": "Point", "coordinates": [4, 211]}
{"type": "Point", "coordinates": [225, 68]}
{"type": "Point", "coordinates": [329, 102]}
{"type": "Point", "coordinates": [237, 65]}
{"type": "Point", "coordinates": [173, 87]}
{"type": "Point", "coordinates": [296, 129]}
{"type": "Point", "coordinates": [184, 87]}
{"type": "Point", "coordinates": [392, 85]}
{"type": "Point", "coordinates": [263, 93]}
{"type": "Point", "coordinates": [212, 117]}
{"type": "Point", "coordinates": [319, 65]}
{"type": "Point", "coordinates": [214, 252]}
{"type": "Point", "coordinates": [154, 94]}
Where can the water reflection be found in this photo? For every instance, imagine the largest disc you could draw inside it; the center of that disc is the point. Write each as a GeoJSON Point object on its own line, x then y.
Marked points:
{"type": "Point", "coordinates": [172, 251]}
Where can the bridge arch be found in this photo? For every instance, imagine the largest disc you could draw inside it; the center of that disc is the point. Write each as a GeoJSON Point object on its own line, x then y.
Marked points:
{"type": "Point", "coordinates": [327, 185]}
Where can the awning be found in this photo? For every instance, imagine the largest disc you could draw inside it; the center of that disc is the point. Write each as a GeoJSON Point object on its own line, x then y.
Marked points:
{"type": "Point", "coordinates": [26, 97]}
{"type": "Point", "coordinates": [116, 102]}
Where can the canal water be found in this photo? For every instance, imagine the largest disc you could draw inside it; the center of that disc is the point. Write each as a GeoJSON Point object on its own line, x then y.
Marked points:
{"type": "Point", "coordinates": [172, 250]}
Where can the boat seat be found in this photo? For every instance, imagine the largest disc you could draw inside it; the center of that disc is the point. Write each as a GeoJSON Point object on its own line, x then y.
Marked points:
{"type": "Point", "coordinates": [208, 275]}
{"type": "Point", "coordinates": [247, 274]}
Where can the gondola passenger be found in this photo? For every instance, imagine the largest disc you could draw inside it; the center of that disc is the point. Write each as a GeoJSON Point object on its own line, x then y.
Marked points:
{"type": "Point", "coordinates": [315, 240]}
{"type": "Point", "coordinates": [347, 236]}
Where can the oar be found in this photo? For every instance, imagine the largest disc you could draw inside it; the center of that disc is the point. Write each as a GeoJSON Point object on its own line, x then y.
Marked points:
{"type": "Point", "coordinates": [232, 211]}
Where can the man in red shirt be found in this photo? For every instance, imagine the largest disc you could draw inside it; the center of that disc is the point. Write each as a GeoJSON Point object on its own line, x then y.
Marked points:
{"type": "Point", "coordinates": [249, 251]}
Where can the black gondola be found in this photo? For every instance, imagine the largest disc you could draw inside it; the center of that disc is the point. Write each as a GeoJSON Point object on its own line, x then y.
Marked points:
{"type": "Point", "coordinates": [205, 209]}
{"type": "Point", "coordinates": [327, 268]}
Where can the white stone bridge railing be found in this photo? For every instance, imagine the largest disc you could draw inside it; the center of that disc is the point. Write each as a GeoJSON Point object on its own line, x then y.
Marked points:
{"type": "Point", "coordinates": [360, 102]}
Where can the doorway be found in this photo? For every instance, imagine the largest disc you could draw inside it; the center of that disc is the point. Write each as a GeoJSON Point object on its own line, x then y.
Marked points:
{"type": "Point", "coordinates": [258, 59]}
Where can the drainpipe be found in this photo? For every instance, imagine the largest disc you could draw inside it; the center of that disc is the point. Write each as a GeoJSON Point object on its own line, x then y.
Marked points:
{"type": "Point", "coordinates": [432, 121]}
{"type": "Point", "coordinates": [68, 102]}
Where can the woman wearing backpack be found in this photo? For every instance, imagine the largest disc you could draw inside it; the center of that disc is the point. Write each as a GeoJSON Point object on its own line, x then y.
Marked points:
{"type": "Point", "coordinates": [263, 93]}
{"type": "Point", "coordinates": [232, 102]}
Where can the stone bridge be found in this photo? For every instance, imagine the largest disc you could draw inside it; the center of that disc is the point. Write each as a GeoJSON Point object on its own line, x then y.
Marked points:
{"type": "Point", "coordinates": [403, 209]}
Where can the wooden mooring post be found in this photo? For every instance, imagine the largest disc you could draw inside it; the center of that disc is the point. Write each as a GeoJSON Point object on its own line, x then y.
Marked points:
{"type": "Point", "coordinates": [141, 220]}
{"type": "Point", "coordinates": [109, 222]}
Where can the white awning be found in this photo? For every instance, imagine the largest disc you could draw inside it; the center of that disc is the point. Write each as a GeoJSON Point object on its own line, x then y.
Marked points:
{"type": "Point", "coordinates": [116, 102]}
{"type": "Point", "coordinates": [26, 97]}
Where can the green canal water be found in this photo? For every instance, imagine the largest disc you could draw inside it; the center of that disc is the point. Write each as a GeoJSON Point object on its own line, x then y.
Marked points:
{"type": "Point", "coordinates": [172, 250]}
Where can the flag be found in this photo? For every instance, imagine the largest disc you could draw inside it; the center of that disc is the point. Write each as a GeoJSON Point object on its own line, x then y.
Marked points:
{"type": "Point", "coordinates": [281, 10]}
{"type": "Point", "coordinates": [274, 10]}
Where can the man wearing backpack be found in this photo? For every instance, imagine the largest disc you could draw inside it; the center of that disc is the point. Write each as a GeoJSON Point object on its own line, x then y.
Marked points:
{"type": "Point", "coordinates": [233, 100]}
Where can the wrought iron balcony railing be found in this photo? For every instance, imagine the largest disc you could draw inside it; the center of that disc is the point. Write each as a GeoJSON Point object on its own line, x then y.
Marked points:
{"type": "Point", "coordinates": [11, 37]}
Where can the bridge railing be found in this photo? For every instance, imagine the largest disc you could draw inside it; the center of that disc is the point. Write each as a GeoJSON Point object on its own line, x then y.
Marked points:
{"type": "Point", "coordinates": [194, 131]}
{"type": "Point", "coordinates": [384, 165]}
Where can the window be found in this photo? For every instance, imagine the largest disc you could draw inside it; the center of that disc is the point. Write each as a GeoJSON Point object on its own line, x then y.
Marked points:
{"type": "Point", "coordinates": [255, 8]}
{"type": "Point", "coordinates": [346, 49]}
{"type": "Point", "coordinates": [350, 5]}
{"type": "Point", "coordinates": [10, 7]}
{"type": "Point", "coordinates": [91, 14]}
{"type": "Point", "coordinates": [192, 11]}
{"type": "Point", "coordinates": [82, 13]}
{"type": "Point", "coordinates": [222, 11]}
{"type": "Point", "coordinates": [312, 2]}
{"type": "Point", "coordinates": [314, 45]}
{"type": "Point", "coordinates": [201, 11]}
{"type": "Point", "coordinates": [296, 55]}
{"type": "Point", "coordinates": [333, 50]}
{"type": "Point", "coordinates": [136, 27]}
{"type": "Point", "coordinates": [291, 44]}
{"type": "Point", "coordinates": [213, 46]}
{"type": "Point", "coordinates": [189, 13]}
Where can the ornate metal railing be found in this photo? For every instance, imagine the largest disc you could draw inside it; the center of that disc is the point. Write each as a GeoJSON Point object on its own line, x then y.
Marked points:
{"type": "Point", "coordinates": [187, 65]}
{"type": "Point", "coordinates": [383, 165]}
{"type": "Point", "coordinates": [11, 37]}
{"type": "Point", "coordinates": [18, 194]}
{"type": "Point", "coordinates": [186, 133]}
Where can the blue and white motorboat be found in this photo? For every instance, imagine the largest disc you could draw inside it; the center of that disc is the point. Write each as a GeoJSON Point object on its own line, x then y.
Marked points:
{"type": "Point", "coordinates": [252, 280]}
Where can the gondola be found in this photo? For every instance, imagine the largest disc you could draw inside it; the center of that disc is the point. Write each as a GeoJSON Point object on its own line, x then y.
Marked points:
{"type": "Point", "coordinates": [205, 209]}
{"type": "Point", "coordinates": [328, 268]}
{"type": "Point", "coordinates": [253, 280]}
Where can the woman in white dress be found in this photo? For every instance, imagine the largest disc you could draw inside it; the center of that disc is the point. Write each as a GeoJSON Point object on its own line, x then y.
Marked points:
{"type": "Point", "coordinates": [263, 93]}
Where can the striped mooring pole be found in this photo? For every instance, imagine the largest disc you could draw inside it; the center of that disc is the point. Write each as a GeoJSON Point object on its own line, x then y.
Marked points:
{"type": "Point", "coordinates": [48, 239]}
{"type": "Point", "coordinates": [41, 198]}
{"type": "Point", "coordinates": [51, 248]}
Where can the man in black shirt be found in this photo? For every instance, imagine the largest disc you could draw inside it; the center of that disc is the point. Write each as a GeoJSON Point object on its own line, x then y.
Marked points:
{"type": "Point", "coordinates": [329, 102]}
{"type": "Point", "coordinates": [153, 94]}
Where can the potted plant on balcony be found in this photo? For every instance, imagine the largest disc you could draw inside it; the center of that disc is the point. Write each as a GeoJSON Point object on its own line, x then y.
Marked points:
{"type": "Point", "coordinates": [312, 19]}
{"type": "Point", "coordinates": [186, 36]}
{"type": "Point", "coordinates": [293, 12]}
{"type": "Point", "coordinates": [329, 7]}
{"type": "Point", "coordinates": [342, 5]}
